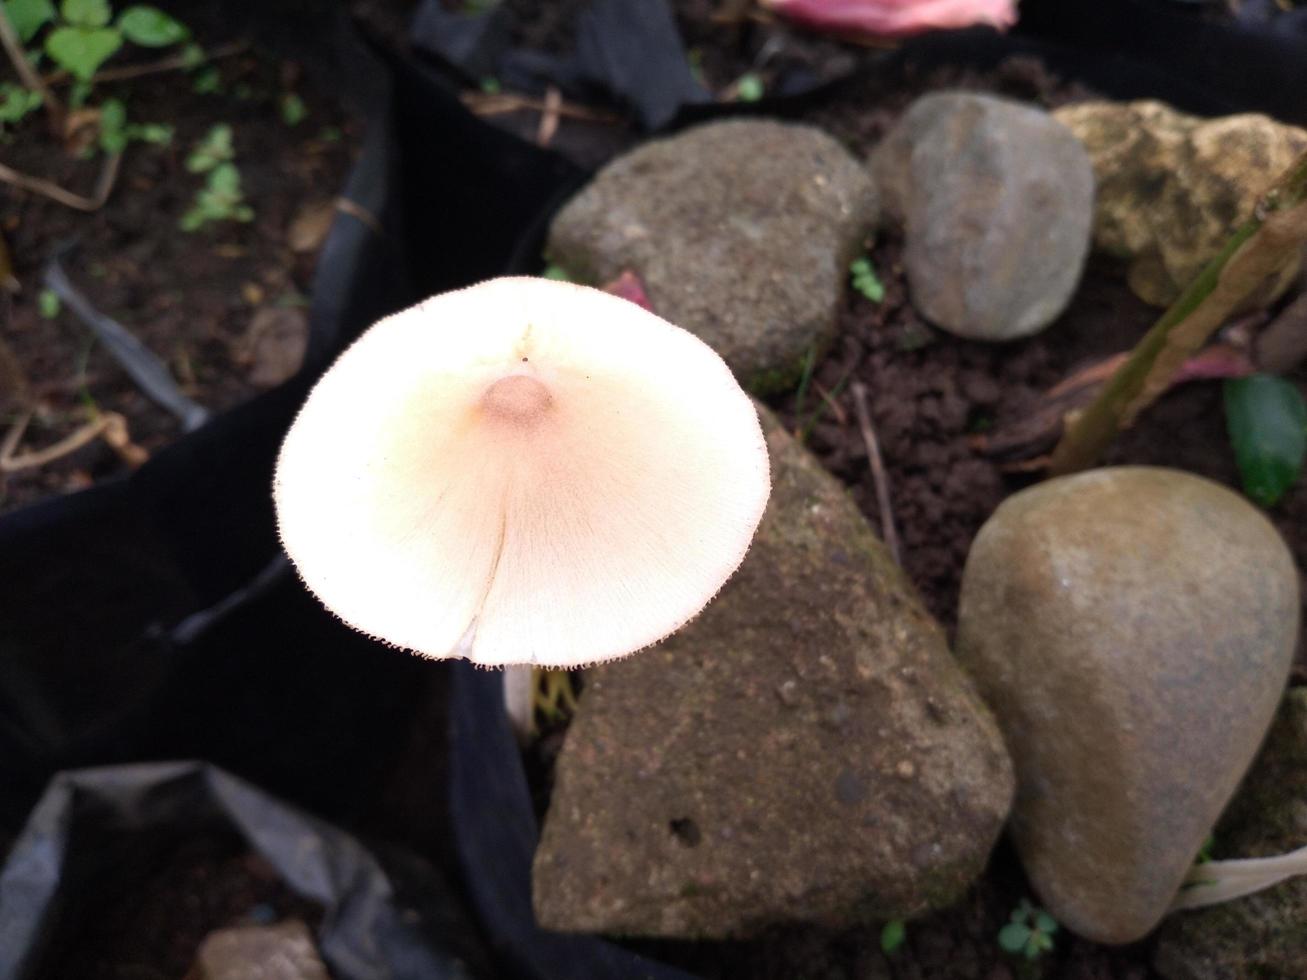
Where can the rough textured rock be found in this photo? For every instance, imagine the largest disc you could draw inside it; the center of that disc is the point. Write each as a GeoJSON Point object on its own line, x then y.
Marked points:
{"type": "Point", "coordinates": [1262, 935]}
{"type": "Point", "coordinates": [1171, 187]}
{"type": "Point", "coordinates": [282, 952]}
{"type": "Point", "coordinates": [996, 202]}
{"type": "Point", "coordinates": [806, 749]}
{"type": "Point", "coordinates": [742, 232]}
{"type": "Point", "coordinates": [1132, 628]}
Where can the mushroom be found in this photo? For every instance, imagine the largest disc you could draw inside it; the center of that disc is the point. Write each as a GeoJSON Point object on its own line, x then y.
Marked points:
{"type": "Point", "coordinates": [522, 472]}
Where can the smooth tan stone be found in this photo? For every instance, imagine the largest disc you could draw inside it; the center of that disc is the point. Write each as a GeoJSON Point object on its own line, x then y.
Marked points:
{"type": "Point", "coordinates": [1132, 628]}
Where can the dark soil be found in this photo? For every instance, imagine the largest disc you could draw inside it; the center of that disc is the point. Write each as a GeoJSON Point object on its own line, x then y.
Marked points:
{"type": "Point", "coordinates": [193, 298]}
{"type": "Point", "coordinates": [146, 915]}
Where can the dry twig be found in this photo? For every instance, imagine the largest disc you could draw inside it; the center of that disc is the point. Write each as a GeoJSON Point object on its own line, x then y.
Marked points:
{"type": "Point", "coordinates": [878, 474]}
{"type": "Point", "coordinates": [46, 188]}
{"type": "Point", "coordinates": [109, 426]}
{"type": "Point", "coordinates": [174, 62]}
{"type": "Point", "coordinates": [499, 103]}
{"type": "Point", "coordinates": [549, 116]}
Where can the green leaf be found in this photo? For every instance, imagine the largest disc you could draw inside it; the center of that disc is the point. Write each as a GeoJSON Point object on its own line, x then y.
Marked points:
{"type": "Point", "coordinates": [892, 936]}
{"type": "Point", "coordinates": [865, 280]}
{"type": "Point", "coordinates": [113, 126]}
{"type": "Point", "coordinates": [207, 81]}
{"type": "Point", "coordinates": [192, 56]}
{"type": "Point", "coordinates": [47, 304]}
{"type": "Point", "coordinates": [1013, 937]}
{"type": "Point", "coordinates": [29, 16]}
{"type": "Point", "coordinates": [86, 13]}
{"type": "Point", "coordinates": [82, 50]}
{"type": "Point", "coordinates": [156, 134]}
{"type": "Point", "coordinates": [1267, 422]}
{"type": "Point", "coordinates": [151, 28]}
{"type": "Point", "coordinates": [556, 272]}
{"type": "Point", "coordinates": [16, 102]}
{"type": "Point", "coordinates": [292, 108]}
{"type": "Point", "coordinates": [1045, 923]}
{"type": "Point", "coordinates": [225, 179]}
{"type": "Point", "coordinates": [749, 88]}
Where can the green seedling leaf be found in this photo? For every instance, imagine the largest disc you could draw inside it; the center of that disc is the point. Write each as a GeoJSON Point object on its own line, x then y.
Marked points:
{"type": "Point", "coordinates": [1267, 422]}
{"type": "Point", "coordinates": [749, 88]}
{"type": "Point", "coordinates": [215, 148]}
{"type": "Point", "coordinates": [207, 81]}
{"type": "Point", "coordinates": [86, 13]}
{"type": "Point", "coordinates": [78, 93]}
{"type": "Point", "coordinates": [47, 303]}
{"type": "Point", "coordinates": [113, 126]}
{"type": "Point", "coordinates": [151, 28]}
{"type": "Point", "coordinates": [192, 56]}
{"type": "Point", "coordinates": [156, 134]}
{"type": "Point", "coordinates": [865, 280]}
{"type": "Point", "coordinates": [1046, 924]}
{"type": "Point", "coordinates": [292, 109]}
{"type": "Point", "coordinates": [893, 936]}
{"type": "Point", "coordinates": [16, 102]}
{"type": "Point", "coordinates": [557, 272]}
{"type": "Point", "coordinates": [29, 16]}
{"type": "Point", "coordinates": [1013, 937]}
{"type": "Point", "coordinates": [82, 50]}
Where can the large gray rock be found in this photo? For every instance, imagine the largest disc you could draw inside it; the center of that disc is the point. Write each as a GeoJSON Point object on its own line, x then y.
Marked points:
{"type": "Point", "coordinates": [996, 200]}
{"type": "Point", "coordinates": [741, 231]}
{"type": "Point", "coordinates": [1262, 935]}
{"type": "Point", "coordinates": [806, 749]}
{"type": "Point", "coordinates": [1132, 628]}
{"type": "Point", "coordinates": [1172, 188]}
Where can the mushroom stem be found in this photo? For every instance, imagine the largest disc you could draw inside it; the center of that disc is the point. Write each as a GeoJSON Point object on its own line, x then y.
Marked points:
{"type": "Point", "coordinates": [519, 699]}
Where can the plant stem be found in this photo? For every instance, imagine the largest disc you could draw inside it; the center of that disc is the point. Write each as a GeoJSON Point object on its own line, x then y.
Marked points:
{"type": "Point", "coordinates": [1258, 250]}
{"type": "Point", "coordinates": [27, 75]}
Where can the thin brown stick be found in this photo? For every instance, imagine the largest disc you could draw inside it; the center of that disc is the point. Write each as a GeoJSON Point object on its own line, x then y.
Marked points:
{"type": "Point", "coordinates": [46, 188]}
{"type": "Point", "coordinates": [13, 46]}
{"type": "Point", "coordinates": [498, 103]}
{"type": "Point", "coordinates": [109, 426]}
{"type": "Point", "coordinates": [878, 474]}
{"type": "Point", "coordinates": [174, 62]}
{"type": "Point", "coordinates": [549, 116]}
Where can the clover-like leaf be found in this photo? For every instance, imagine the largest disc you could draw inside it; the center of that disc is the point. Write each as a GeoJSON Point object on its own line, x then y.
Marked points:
{"type": "Point", "coordinates": [86, 13]}
{"type": "Point", "coordinates": [29, 16]}
{"type": "Point", "coordinates": [150, 27]}
{"type": "Point", "coordinates": [82, 50]}
{"type": "Point", "coordinates": [1013, 937]}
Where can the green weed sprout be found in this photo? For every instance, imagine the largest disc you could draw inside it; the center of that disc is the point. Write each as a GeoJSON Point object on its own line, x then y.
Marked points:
{"type": "Point", "coordinates": [1029, 933]}
{"type": "Point", "coordinates": [221, 197]}
{"type": "Point", "coordinates": [865, 279]}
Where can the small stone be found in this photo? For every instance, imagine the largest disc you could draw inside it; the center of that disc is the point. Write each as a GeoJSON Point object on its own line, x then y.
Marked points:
{"type": "Point", "coordinates": [849, 797]}
{"type": "Point", "coordinates": [309, 228]}
{"type": "Point", "coordinates": [996, 200]}
{"type": "Point", "coordinates": [281, 952]}
{"type": "Point", "coordinates": [1172, 188]}
{"type": "Point", "coordinates": [1261, 935]}
{"type": "Point", "coordinates": [741, 232]}
{"type": "Point", "coordinates": [1132, 628]}
{"type": "Point", "coordinates": [274, 344]}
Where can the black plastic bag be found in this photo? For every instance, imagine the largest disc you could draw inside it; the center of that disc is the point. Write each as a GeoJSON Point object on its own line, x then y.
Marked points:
{"type": "Point", "coordinates": [89, 818]}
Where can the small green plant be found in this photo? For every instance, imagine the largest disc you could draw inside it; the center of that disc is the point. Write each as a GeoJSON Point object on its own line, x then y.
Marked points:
{"type": "Point", "coordinates": [554, 271]}
{"type": "Point", "coordinates": [292, 109]}
{"type": "Point", "coordinates": [1029, 933]}
{"type": "Point", "coordinates": [893, 936]}
{"type": "Point", "coordinates": [16, 103]}
{"type": "Point", "coordinates": [116, 132]}
{"type": "Point", "coordinates": [221, 197]}
{"type": "Point", "coordinates": [84, 34]}
{"type": "Point", "coordinates": [750, 88]}
{"type": "Point", "coordinates": [865, 280]}
{"type": "Point", "coordinates": [207, 81]}
{"type": "Point", "coordinates": [216, 147]}
{"type": "Point", "coordinates": [47, 304]}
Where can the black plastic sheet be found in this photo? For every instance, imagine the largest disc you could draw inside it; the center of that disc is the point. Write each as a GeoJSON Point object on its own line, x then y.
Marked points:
{"type": "Point", "coordinates": [89, 819]}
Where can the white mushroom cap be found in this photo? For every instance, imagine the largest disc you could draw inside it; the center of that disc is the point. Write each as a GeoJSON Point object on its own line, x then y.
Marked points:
{"type": "Point", "coordinates": [524, 471]}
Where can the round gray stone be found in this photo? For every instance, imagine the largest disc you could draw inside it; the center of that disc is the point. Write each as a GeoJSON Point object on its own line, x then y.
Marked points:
{"type": "Point", "coordinates": [1132, 628]}
{"type": "Point", "coordinates": [741, 232]}
{"type": "Point", "coordinates": [997, 204]}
